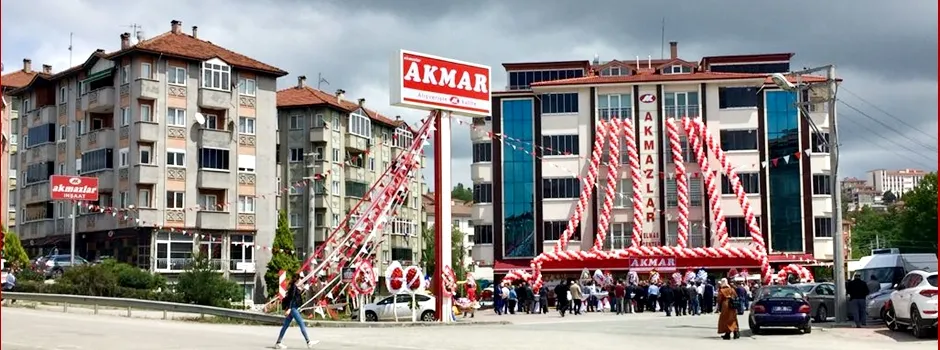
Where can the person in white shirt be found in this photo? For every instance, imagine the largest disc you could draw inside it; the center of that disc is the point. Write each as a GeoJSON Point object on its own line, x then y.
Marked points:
{"type": "Point", "coordinates": [653, 297]}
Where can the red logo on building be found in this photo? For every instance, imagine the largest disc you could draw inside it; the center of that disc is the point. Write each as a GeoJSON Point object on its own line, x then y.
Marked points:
{"type": "Point", "coordinates": [76, 188]}
{"type": "Point", "coordinates": [648, 98]}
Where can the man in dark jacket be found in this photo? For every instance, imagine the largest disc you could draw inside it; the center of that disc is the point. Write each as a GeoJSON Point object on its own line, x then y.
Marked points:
{"type": "Point", "coordinates": [666, 298]}
{"type": "Point", "coordinates": [543, 299]}
{"type": "Point", "coordinates": [708, 298]}
{"type": "Point", "coordinates": [680, 302]}
{"type": "Point", "coordinates": [858, 291]}
{"type": "Point", "coordinates": [561, 297]}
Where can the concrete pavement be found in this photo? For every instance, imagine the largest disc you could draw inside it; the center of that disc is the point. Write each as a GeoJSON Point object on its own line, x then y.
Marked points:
{"type": "Point", "coordinates": [26, 329]}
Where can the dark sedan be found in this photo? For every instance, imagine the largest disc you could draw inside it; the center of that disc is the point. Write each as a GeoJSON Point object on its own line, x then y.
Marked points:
{"type": "Point", "coordinates": [780, 306]}
{"type": "Point", "coordinates": [822, 299]}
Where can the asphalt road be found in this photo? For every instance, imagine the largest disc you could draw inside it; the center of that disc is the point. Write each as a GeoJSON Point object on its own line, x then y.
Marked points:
{"type": "Point", "coordinates": [28, 329]}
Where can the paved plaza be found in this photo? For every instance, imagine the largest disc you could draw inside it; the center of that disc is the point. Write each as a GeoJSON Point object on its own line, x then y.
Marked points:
{"type": "Point", "coordinates": [30, 329]}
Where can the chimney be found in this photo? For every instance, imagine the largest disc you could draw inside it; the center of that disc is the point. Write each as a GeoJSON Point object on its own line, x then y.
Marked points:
{"type": "Point", "coordinates": [673, 49]}
{"type": "Point", "coordinates": [47, 69]}
{"type": "Point", "coordinates": [397, 117]}
{"type": "Point", "coordinates": [99, 51]}
{"type": "Point", "coordinates": [362, 102]}
{"type": "Point", "coordinates": [302, 81]}
{"type": "Point", "coordinates": [27, 65]}
{"type": "Point", "coordinates": [176, 27]}
{"type": "Point", "coordinates": [340, 93]}
{"type": "Point", "coordinates": [125, 41]}
{"type": "Point", "coordinates": [195, 29]}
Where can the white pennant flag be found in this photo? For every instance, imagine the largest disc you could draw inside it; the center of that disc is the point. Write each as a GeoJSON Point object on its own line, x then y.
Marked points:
{"type": "Point", "coordinates": [763, 164]}
{"type": "Point", "coordinates": [786, 159]}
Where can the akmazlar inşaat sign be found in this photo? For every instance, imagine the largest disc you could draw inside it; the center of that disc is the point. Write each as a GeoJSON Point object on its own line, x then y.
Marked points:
{"type": "Point", "coordinates": [435, 83]}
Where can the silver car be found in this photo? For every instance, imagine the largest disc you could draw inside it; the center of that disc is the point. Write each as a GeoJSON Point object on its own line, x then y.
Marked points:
{"type": "Point", "coordinates": [822, 299]}
{"type": "Point", "coordinates": [876, 303]}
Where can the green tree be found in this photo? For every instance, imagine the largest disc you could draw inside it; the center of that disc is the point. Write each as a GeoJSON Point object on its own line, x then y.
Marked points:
{"type": "Point", "coordinates": [873, 229]}
{"type": "Point", "coordinates": [919, 217]}
{"type": "Point", "coordinates": [889, 197]}
{"type": "Point", "coordinates": [203, 285]}
{"type": "Point", "coordinates": [427, 251]}
{"type": "Point", "coordinates": [13, 250]}
{"type": "Point", "coordinates": [281, 258]}
{"type": "Point", "coordinates": [462, 193]}
{"type": "Point", "coordinates": [457, 252]}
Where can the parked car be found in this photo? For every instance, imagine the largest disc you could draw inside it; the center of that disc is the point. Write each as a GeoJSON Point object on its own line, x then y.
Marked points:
{"type": "Point", "coordinates": [52, 266]}
{"type": "Point", "coordinates": [386, 308]}
{"type": "Point", "coordinates": [913, 304]}
{"type": "Point", "coordinates": [877, 304]}
{"type": "Point", "coordinates": [780, 306]}
{"type": "Point", "coordinates": [821, 297]}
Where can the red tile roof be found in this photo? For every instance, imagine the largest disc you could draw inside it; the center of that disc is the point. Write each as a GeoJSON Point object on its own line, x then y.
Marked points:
{"type": "Point", "coordinates": [655, 78]}
{"type": "Point", "coordinates": [17, 79]}
{"type": "Point", "coordinates": [307, 96]}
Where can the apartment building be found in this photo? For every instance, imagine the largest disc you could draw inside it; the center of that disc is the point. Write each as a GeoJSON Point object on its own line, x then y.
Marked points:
{"type": "Point", "coordinates": [11, 129]}
{"type": "Point", "coordinates": [169, 126]}
{"type": "Point", "coordinates": [461, 214]}
{"type": "Point", "coordinates": [523, 203]}
{"type": "Point", "coordinates": [898, 182]}
{"type": "Point", "coordinates": [858, 193]}
{"type": "Point", "coordinates": [344, 148]}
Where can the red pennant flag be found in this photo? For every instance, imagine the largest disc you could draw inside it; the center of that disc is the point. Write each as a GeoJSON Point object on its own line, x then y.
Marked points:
{"type": "Point", "coordinates": [797, 155]}
{"type": "Point", "coordinates": [774, 161]}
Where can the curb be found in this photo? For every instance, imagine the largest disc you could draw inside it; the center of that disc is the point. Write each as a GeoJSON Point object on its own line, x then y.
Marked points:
{"type": "Point", "coordinates": [342, 324]}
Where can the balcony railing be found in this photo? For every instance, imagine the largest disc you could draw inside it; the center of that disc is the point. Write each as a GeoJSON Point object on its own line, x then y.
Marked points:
{"type": "Point", "coordinates": [687, 111]}
{"type": "Point", "coordinates": [181, 264]}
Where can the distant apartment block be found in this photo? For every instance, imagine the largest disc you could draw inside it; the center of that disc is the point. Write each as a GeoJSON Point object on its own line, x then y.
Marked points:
{"type": "Point", "coordinates": [857, 194]}
{"type": "Point", "coordinates": [897, 181]}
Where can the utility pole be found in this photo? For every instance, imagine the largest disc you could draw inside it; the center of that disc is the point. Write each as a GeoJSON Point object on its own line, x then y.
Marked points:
{"type": "Point", "coordinates": [311, 178]}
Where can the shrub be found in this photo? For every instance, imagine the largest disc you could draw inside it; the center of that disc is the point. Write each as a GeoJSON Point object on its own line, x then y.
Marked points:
{"type": "Point", "coordinates": [90, 280]}
{"type": "Point", "coordinates": [28, 275]}
{"type": "Point", "coordinates": [199, 284]}
{"type": "Point", "coordinates": [13, 250]}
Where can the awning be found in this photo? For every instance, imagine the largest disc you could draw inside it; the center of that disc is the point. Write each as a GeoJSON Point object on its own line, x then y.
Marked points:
{"type": "Point", "coordinates": [98, 76]}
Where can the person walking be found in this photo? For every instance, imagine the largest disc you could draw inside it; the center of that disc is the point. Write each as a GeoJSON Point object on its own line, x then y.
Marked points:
{"type": "Point", "coordinates": [858, 291]}
{"type": "Point", "coordinates": [692, 294]}
{"type": "Point", "coordinates": [576, 297]}
{"type": "Point", "coordinates": [708, 298]}
{"type": "Point", "coordinates": [512, 301]}
{"type": "Point", "coordinates": [653, 292]}
{"type": "Point", "coordinates": [561, 298]}
{"type": "Point", "coordinates": [727, 303]}
{"type": "Point", "coordinates": [290, 304]}
{"type": "Point", "coordinates": [543, 299]}
{"type": "Point", "coordinates": [498, 299]}
{"type": "Point", "coordinates": [666, 298]}
{"type": "Point", "coordinates": [620, 293]}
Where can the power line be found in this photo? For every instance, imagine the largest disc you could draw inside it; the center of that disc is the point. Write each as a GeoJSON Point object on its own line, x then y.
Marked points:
{"type": "Point", "coordinates": [872, 105]}
{"type": "Point", "coordinates": [873, 132]}
{"type": "Point", "coordinates": [889, 127]}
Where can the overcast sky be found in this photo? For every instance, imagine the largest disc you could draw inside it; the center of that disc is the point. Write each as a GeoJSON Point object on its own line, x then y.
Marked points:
{"type": "Point", "coordinates": [885, 50]}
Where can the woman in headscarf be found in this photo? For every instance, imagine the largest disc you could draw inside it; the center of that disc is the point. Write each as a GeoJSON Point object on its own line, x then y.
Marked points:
{"type": "Point", "coordinates": [728, 319]}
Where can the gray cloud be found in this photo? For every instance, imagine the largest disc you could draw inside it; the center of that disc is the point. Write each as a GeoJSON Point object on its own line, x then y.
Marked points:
{"type": "Point", "coordinates": [885, 51]}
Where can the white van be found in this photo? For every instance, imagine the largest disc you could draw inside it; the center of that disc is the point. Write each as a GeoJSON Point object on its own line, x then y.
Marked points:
{"type": "Point", "coordinates": [889, 266]}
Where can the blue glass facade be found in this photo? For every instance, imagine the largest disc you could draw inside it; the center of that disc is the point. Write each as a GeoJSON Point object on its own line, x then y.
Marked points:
{"type": "Point", "coordinates": [784, 191]}
{"type": "Point", "coordinates": [518, 180]}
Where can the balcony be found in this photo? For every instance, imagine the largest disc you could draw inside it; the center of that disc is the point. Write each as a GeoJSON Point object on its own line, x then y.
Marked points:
{"type": "Point", "coordinates": [146, 173]}
{"type": "Point", "coordinates": [147, 216]}
{"type": "Point", "coordinates": [37, 193]}
{"type": "Point", "coordinates": [149, 89]}
{"type": "Point", "coordinates": [106, 179]}
{"type": "Point", "coordinates": [48, 114]}
{"type": "Point", "coordinates": [480, 134]}
{"type": "Point", "coordinates": [214, 220]}
{"type": "Point", "coordinates": [98, 221]}
{"type": "Point", "coordinates": [356, 143]}
{"type": "Point", "coordinates": [215, 138]}
{"type": "Point", "coordinates": [95, 139]}
{"type": "Point", "coordinates": [99, 101]}
{"type": "Point", "coordinates": [351, 202]}
{"type": "Point", "coordinates": [215, 99]}
{"type": "Point", "coordinates": [241, 266]}
{"type": "Point", "coordinates": [37, 229]}
{"type": "Point", "coordinates": [481, 172]}
{"type": "Point", "coordinates": [147, 131]}
{"type": "Point", "coordinates": [354, 173]}
{"type": "Point", "coordinates": [42, 153]}
{"type": "Point", "coordinates": [319, 135]}
{"type": "Point", "coordinates": [209, 178]}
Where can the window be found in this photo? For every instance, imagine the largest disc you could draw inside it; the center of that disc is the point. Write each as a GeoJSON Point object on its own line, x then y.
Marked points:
{"type": "Point", "coordinates": [27, 106]}
{"type": "Point", "coordinates": [125, 116]}
{"type": "Point", "coordinates": [623, 195]}
{"type": "Point", "coordinates": [822, 227]}
{"type": "Point", "coordinates": [360, 125]}
{"type": "Point", "coordinates": [568, 187]}
{"type": "Point", "coordinates": [483, 234]}
{"type": "Point", "coordinates": [61, 171]}
{"type": "Point", "coordinates": [146, 70]}
{"type": "Point", "coordinates": [296, 122]}
{"type": "Point", "coordinates": [175, 117]}
{"type": "Point", "coordinates": [356, 189]}
{"type": "Point", "coordinates": [294, 219]}
{"type": "Point", "coordinates": [78, 166]}
{"type": "Point", "coordinates": [216, 76]}
{"type": "Point", "coordinates": [614, 106]}
{"type": "Point", "coordinates": [677, 69]}
{"type": "Point", "coordinates": [123, 201]}
{"type": "Point", "coordinates": [750, 182]}
{"type": "Point", "coordinates": [175, 158]}
{"type": "Point", "coordinates": [175, 200]}
{"type": "Point", "coordinates": [737, 97]}
{"type": "Point", "coordinates": [125, 74]}
{"type": "Point", "coordinates": [174, 251]}
{"type": "Point", "coordinates": [176, 76]}
{"type": "Point", "coordinates": [246, 163]}
{"type": "Point", "coordinates": [695, 192]}
{"type": "Point", "coordinates": [98, 160]}
{"type": "Point", "coordinates": [403, 138]}
{"type": "Point", "coordinates": [318, 153]}
{"type": "Point", "coordinates": [246, 204]}
{"type": "Point", "coordinates": [619, 236]}
{"type": "Point", "coordinates": [556, 145]}
{"type": "Point", "coordinates": [336, 125]}
{"type": "Point", "coordinates": [122, 157]}
{"type": "Point", "coordinates": [371, 163]}
{"type": "Point", "coordinates": [552, 230]}
{"type": "Point", "coordinates": [318, 121]}
{"type": "Point", "coordinates": [214, 158]}
{"type": "Point", "coordinates": [822, 185]}
{"type": "Point", "coordinates": [335, 155]}
{"type": "Point", "coordinates": [212, 121]}
{"type": "Point", "coordinates": [38, 172]}
{"type": "Point", "coordinates": [335, 188]}
{"type": "Point", "coordinates": [615, 71]}
{"type": "Point", "coordinates": [146, 114]}
{"type": "Point", "coordinates": [523, 80]}
{"type": "Point", "coordinates": [482, 152]}
{"type": "Point", "coordinates": [60, 207]}
{"type": "Point", "coordinates": [681, 104]}
{"type": "Point", "coordinates": [146, 153]}
{"type": "Point", "coordinates": [40, 134]}
{"type": "Point", "coordinates": [246, 125]}
{"type": "Point", "coordinates": [63, 94]}
{"type": "Point", "coordinates": [737, 227]}
{"type": "Point", "coordinates": [63, 132]}
{"type": "Point", "coordinates": [687, 155]}
{"type": "Point", "coordinates": [559, 103]}
{"type": "Point", "coordinates": [143, 198]}
{"type": "Point", "coordinates": [242, 250]}
{"type": "Point", "coordinates": [295, 155]}
{"type": "Point", "coordinates": [483, 193]}
{"type": "Point", "coordinates": [209, 202]}
{"type": "Point", "coordinates": [246, 87]}
{"type": "Point", "coordinates": [820, 143]}
{"type": "Point", "coordinates": [739, 140]}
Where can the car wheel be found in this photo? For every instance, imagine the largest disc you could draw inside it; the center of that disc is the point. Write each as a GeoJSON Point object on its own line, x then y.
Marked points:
{"type": "Point", "coordinates": [427, 316]}
{"type": "Point", "coordinates": [755, 329]}
{"type": "Point", "coordinates": [808, 329]}
{"type": "Point", "coordinates": [891, 320]}
{"type": "Point", "coordinates": [371, 316]}
{"type": "Point", "coordinates": [917, 329]}
{"type": "Point", "coordinates": [822, 314]}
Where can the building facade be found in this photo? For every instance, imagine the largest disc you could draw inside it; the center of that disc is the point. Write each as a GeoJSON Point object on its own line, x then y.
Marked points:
{"type": "Point", "coordinates": [523, 203]}
{"type": "Point", "coordinates": [170, 126]}
{"type": "Point", "coordinates": [858, 194]}
{"type": "Point", "coordinates": [11, 129]}
{"type": "Point", "coordinates": [342, 148]}
{"type": "Point", "coordinates": [898, 182]}
{"type": "Point", "coordinates": [461, 214]}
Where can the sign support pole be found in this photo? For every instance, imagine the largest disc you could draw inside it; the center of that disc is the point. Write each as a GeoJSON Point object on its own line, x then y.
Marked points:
{"type": "Point", "coordinates": [72, 240]}
{"type": "Point", "coordinates": [442, 212]}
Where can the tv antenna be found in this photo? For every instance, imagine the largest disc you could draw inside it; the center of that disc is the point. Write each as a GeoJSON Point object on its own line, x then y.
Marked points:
{"type": "Point", "coordinates": [137, 32]}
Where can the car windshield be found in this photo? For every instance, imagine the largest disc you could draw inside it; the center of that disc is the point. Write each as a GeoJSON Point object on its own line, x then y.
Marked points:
{"type": "Point", "coordinates": [882, 274]}
{"type": "Point", "coordinates": [932, 279]}
{"type": "Point", "coordinates": [782, 292]}
{"type": "Point", "coordinates": [806, 288]}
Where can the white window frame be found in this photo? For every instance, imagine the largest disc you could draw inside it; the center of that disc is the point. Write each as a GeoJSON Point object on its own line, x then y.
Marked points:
{"type": "Point", "coordinates": [125, 116]}
{"type": "Point", "coordinates": [295, 155]}
{"type": "Point", "coordinates": [61, 207]}
{"type": "Point", "coordinates": [246, 163]}
{"type": "Point", "coordinates": [78, 166]}
{"type": "Point", "coordinates": [61, 170]}
{"type": "Point", "coordinates": [124, 199]}
{"type": "Point", "coordinates": [125, 74]}
{"type": "Point", "coordinates": [173, 76]}
{"type": "Point", "coordinates": [246, 125]}
{"type": "Point", "coordinates": [318, 153]}
{"type": "Point", "coordinates": [246, 204]}
{"type": "Point", "coordinates": [295, 122]}
{"type": "Point", "coordinates": [212, 121]}
{"type": "Point", "coordinates": [145, 149]}
{"type": "Point", "coordinates": [63, 94]}
{"type": "Point", "coordinates": [209, 202]}
{"type": "Point", "coordinates": [174, 154]}
{"type": "Point", "coordinates": [247, 87]}
{"type": "Point", "coordinates": [122, 157]}
{"type": "Point", "coordinates": [146, 70]}
{"type": "Point", "coordinates": [175, 117]}
{"type": "Point", "coordinates": [217, 70]}
{"type": "Point", "coordinates": [146, 113]}
{"type": "Point", "coordinates": [63, 132]}
{"type": "Point", "coordinates": [178, 196]}
{"type": "Point", "coordinates": [26, 105]}
{"type": "Point", "coordinates": [144, 198]}
{"type": "Point", "coordinates": [335, 154]}
{"type": "Point", "coordinates": [360, 125]}
{"type": "Point", "coordinates": [612, 70]}
{"type": "Point", "coordinates": [294, 220]}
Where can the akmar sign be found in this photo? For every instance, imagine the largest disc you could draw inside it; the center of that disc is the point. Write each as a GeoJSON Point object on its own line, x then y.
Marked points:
{"type": "Point", "coordinates": [430, 82]}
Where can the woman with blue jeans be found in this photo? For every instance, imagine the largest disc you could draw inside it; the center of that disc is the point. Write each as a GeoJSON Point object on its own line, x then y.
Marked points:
{"type": "Point", "coordinates": [290, 303]}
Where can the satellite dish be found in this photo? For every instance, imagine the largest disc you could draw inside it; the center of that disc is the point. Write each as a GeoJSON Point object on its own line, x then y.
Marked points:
{"type": "Point", "coordinates": [200, 118]}
{"type": "Point", "coordinates": [782, 82]}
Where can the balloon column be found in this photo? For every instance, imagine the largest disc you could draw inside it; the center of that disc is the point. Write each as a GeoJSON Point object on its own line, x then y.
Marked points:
{"type": "Point", "coordinates": [802, 273]}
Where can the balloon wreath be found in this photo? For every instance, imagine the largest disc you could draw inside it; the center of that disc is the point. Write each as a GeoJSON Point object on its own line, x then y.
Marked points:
{"type": "Point", "coordinates": [364, 279]}
{"type": "Point", "coordinates": [413, 279]}
{"type": "Point", "coordinates": [395, 278]}
{"type": "Point", "coordinates": [449, 280]}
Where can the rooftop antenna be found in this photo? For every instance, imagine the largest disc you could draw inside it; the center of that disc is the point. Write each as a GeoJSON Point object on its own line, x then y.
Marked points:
{"type": "Point", "coordinates": [662, 41]}
{"type": "Point", "coordinates": [321, 80]}
{"type": "Point", "coordinates": [137, 30]}
{"type": "Point", "coordinates": [70, 48]}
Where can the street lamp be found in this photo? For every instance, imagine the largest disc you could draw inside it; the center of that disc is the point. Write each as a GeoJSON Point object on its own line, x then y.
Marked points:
{"type": "Point", "coordinates": [838, 257]}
